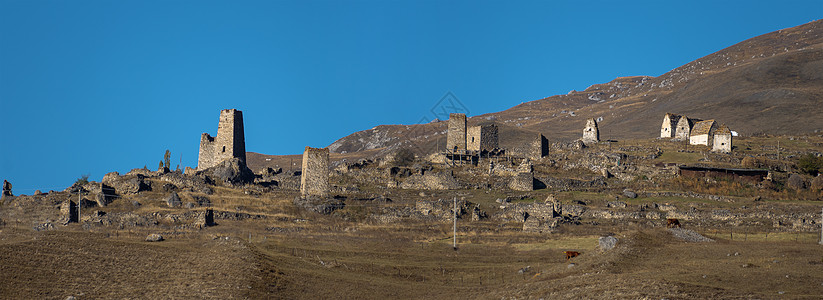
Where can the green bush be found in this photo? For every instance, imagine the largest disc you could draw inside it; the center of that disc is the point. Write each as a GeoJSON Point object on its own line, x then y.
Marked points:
{"type": "Point", "coordinates": [810, 164]}
{"type": "Point", "coordinates": [82, 180]}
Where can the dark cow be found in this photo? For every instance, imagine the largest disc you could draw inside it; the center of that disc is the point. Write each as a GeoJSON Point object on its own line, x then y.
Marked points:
{"type": "Point", "coordinates": [672, 223]}
{"type": "Point", "coordinates": [570, 254]}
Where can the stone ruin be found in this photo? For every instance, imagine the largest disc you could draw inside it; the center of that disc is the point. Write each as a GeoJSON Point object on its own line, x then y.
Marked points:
{"type": "Point", "coordinates": [482, 138]}
{"type": "Point", "coordinates": [591, 135]}
{"type": "Point", "coordinates": [523, 180]}
{"type": "Point", "coordinates": [230, 141]}
{"type": "Point", "coordinates": [314, 180]}
{"type": "Point", "coordinates": [456, 138]}
{"type": "Point", "coordinates": [540, 147]}
{"type": "Point", "coordinates": [7, 189]}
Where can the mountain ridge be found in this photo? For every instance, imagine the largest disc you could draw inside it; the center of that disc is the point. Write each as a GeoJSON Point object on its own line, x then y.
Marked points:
{"type": "Point", "coordinates": [768, 84]}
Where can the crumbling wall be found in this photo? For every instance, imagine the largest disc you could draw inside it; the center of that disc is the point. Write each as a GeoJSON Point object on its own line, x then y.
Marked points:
{"type": "Point", "coordinates": [591, 134]}
{"type": "Point", "coordinates": [314, 180]}
{"type": "Point", "coordinates": [540, 147]}
{"type": "Point", "coordinates": [480, 138]}
{"type": "Point", "coordinates": [523, 181]}
{"type": "Point", "coordinates": [230, 141]}
{"type": "Point", "coordinates": [456, 138]}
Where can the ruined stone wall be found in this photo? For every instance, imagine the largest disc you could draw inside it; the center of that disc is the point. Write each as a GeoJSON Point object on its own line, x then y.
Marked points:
{"type": "Point", "coordinates": [456, 138]}
{"type": "Point", "coordinates": [523, 181]}
{"type": "Point", "coordinates": [591, 134]}
{"type": "Point", "coordinates": [314, 180]}
{"type": "Point", "coordinates": [540, 147]}
{"type": "Point", "coordinates": [479, 138]}
{"type": "Point", "coordinates": [230, 141]}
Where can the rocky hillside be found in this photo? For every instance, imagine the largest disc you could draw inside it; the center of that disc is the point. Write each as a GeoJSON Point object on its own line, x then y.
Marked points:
{"type": "Point", "coordinates": [770, 84]}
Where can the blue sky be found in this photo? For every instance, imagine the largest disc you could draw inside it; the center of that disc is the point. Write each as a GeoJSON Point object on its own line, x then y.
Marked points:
{"type": "Point", "coordinates": [89, 87]}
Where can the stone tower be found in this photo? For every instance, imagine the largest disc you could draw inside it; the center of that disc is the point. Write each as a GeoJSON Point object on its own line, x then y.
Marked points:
{"type": "Point", "coordinates": [456, 138]}
{"type": "Point", "coordinates": [540, 147]}
{"type": "Point", "coordinates": [314, 180]}
{"type": "Point", "coordinates": [482, 138]}
{"type": "Point", "coordinates": [591, 134]}
{"type": "Point", "coordinates": [230, 141]}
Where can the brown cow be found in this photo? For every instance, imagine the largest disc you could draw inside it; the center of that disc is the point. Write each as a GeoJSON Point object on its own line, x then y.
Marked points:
{"type": "Point", "coordinates": [570, 254]}
{"type": "Point", "coordinates": [672, 223]}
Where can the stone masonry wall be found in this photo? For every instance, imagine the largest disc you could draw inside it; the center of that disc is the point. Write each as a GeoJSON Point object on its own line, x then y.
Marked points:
{"type": "Point", "coordinates": [722, 143]}
{"type": "Point", "coordinates": [540, 147]}
{"type": "Point", "coordinates": [456, 139]}
{"type": "Point", "coordinates": [479, 138]}
{"type": "Point", "coordinates": [315, 175]}
{"type": "Point", "coordinates": [591, 134]}
{"type": "Point", "coordinates": [230, 141]}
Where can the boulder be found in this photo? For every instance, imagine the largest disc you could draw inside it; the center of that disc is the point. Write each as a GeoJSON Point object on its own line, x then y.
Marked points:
{"type": "Point", "coordinates": [173, 200]}
{"type": "Point", "coordinates": [817, 183]}
{"type": "Point", "coordinates": [232, 171]}
{"type": "Point", "coordinates": [616, 204]}
{"type": "Point", "coordinates": [629, 194]}
{"type": "Point", "coordinates": [154, 238]}
{"type": "Point", "coordinates": [606, 243]}
{"type": "Point", "coordinates": [573, 210]}
{"type": "Point", "coordinates": [796, 182]}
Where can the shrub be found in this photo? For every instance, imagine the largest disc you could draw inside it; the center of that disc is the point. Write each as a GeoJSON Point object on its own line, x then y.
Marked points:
{"type": "Point", "coordinates": [810, 164]}
{"type": "Point", "coordinates": [750, 162]}
{"type": "Point", "coordinates": [84, 179]}
{"type": "Point", "coordinates": [404, 157]}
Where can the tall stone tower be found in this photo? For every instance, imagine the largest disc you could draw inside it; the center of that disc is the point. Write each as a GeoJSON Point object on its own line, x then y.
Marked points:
{"type": "Point", "coordinates": [314, 179]}
{"type": "Point", "coordinates": [456, 138]}
{"type": "Point", "coordinates": [591, 134]}
{"type": "Point", "coordinates": [229, 142]}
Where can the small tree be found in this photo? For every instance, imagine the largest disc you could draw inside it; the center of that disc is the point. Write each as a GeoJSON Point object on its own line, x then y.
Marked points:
{"type": "Point", "coordinates": [167, 159]}
{"type": "Point", "coordinates": [82, 180]}
{"type": "Point", "coordinates": [160, 166]}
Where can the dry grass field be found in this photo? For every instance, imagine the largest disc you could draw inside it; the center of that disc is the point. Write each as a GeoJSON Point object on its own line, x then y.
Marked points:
{"type": "Point", "coordinates": [414, 260]}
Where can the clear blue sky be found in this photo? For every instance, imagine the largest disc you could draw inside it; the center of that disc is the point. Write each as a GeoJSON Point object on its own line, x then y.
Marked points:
{"type": "Point", "coordinates": [89, 87]}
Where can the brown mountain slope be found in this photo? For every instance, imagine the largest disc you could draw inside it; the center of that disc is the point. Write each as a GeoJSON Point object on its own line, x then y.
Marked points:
{"type": "Point", "coordinates": [770, 84]}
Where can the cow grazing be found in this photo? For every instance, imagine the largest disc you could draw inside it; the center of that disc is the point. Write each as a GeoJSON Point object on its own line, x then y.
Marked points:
{"type": "Point", "coordinates": [672, 223]}
{"type": "Point", "coordinates": [570, 254]}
